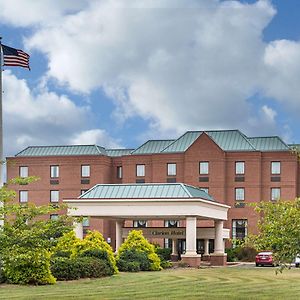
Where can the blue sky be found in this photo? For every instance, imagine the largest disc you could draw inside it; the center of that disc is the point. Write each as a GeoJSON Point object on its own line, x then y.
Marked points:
{"type": "Point", "coordinates": [116, 73]}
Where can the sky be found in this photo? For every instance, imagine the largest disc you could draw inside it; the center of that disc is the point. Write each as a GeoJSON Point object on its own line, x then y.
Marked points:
{"type": "Point", "coordinates": [117, 73]}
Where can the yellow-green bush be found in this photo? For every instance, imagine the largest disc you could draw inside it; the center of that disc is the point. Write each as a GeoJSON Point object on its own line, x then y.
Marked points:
{"type": "Point", "coordinates": [94, 240]}
{"type": "Point", "coordinates": [23, 266]}
{"type": "Point", "coordinates": [136, 241]}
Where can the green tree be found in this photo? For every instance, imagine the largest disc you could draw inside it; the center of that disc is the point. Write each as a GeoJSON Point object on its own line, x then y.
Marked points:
{"type": "Point", "coordinates": [279, 229]}
{"type": "Point", "coordinates": [27, 237]}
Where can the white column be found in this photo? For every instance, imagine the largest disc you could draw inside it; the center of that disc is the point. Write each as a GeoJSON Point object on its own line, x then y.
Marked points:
{"type": "Point", "coordinates": [219, 244]}
{"type": "Point", "coordinates": [78, 229]}
{"type": "Point", "coordinates": [119, 225]}
{"type": "Point", "coordinates": [191, 236]}
{"type": "Point", "coordinates": [174, 247]}
{"type": "Point", "coordinates": [206, 247]}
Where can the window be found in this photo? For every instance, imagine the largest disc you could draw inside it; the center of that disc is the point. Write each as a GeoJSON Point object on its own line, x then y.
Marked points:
{"type": "Point", "coordinates": [171, 223]}
{"type": "Point", "coordinates": [54, 217]}
{"type": "Point", "coordinates": [171, 169]}
{"type": "Point", "coordinates": [83, 191]}
{"type": "Point", "coordinates": [140, 170]}
{"type": "Point", "coordinates": [85, 171]}
{"type": "Point", "coordinates": [239, 168]}
{"type": "Point", "coordinates": [275, 167]}
{"type": "Point", "coordinates": [85, 222]}
{"type": "Point", "coordinates": [239, 194]}
{"type": "Point", "coordinates": [275, 194]}
{"type": "Point", "coordinates": [54, 196]}
{"type": "Point", "coordinates": [140, 223]}
{"type": "Point", "coordinates": [23, 172]}
{"type": "Point", "coordinates": [203, 168]}
{"type": "Point", "coordinates": [23, 196]}
{"type": "Point", "coordinates": [205, 189]}
{"type": "Point", "coordinates": [239, 229]}
{"type": "Point", "coordinates": [119, 172]}
{"type": "Point", "coordinates": [54, 171]}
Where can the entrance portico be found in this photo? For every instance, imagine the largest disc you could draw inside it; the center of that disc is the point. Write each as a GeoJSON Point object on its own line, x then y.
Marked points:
{"type": "Point", "coordinates": [157, 201]}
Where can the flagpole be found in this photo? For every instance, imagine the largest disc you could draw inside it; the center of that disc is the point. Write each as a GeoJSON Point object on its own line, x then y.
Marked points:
{"type": "Point", "coordinates": [1, 130]}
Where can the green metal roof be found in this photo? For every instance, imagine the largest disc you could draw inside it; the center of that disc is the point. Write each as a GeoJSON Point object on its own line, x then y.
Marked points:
{"type": "Point", "coordinates": [227, 140]}
{"type": "Point", "coordinates": [231, 140]}
{"type": "Point", "coordinates": [271, 143]}
{"type": "Point", "coordinates": [62, 150]}
{"type": "Point", "coordinates": [183, 143]}
{"type": "Point", "coordinates": [118, 152]}
{"type": "Point", "coordinates": [152, 146]}
{"type": "Point", "coordinates": [144, 191]}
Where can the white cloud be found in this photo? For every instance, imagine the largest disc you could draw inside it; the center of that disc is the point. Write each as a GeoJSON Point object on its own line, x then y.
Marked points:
{"type": "Point", "coordinates": [94, 137]}
{"type": "Point", "coordinates": [181, 65]}
{"type": "Point", "coordinates": [33, 12]}
{"type": "Point", "coordinates": [43, 118]}
{"type": "Point", "coordinates": [281, 81]}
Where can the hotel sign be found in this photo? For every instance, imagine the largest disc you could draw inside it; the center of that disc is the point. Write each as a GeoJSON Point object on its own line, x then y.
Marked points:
{"type": "Point", "coordinates": [174, 232]}
{"type": "Point", "coordinates": [159, 232]}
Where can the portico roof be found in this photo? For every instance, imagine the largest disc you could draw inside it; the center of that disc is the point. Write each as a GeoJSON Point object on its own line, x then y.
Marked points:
{"type": "Point", "coordinates": [145, 191]}
{"type": "Point", "coordinates": [152, 201]}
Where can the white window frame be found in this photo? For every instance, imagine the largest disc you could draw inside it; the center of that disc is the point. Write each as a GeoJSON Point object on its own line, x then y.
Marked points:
{"type": "Point", "coordinates": [23, 196]}
{"type": "Point", "coordinates": [119, 172]}
{"type": "Point", "coordinates": [203, 167]}
{"type": "Point", "coordinates": [23, 171]}
{"type": "Point", "coordinates": [275, 167]}
{"type": "Point", "coordinates": [85, 170]}
{"type": "Point", "coordinates": [137, 223]}
{"type": "Point", "coordinates": [275, 193]}
{"type": "Point", "coordinates": [54, 171]}
{"type": "Point", "coordinates": [239, 167]}
{"type": "Point", "coordinates": [54, 196]}
{"type": "Point", "coordinates": [171, 169]}
{"type": "Point", "coordinates": [239, 194]}
{"type": "Point", "coordinates": [235, 222]}
{"type": "Point", "coordinates": [140, 170]}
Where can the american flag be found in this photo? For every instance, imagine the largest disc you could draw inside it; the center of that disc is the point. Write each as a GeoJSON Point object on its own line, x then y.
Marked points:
{"type": "Point", "coordinates": [15, 57]}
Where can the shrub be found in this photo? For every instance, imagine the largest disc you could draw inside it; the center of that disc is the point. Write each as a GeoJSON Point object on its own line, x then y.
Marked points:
{"type": "Point", "coordinates": [23, 266]}
{"type": "Point", "coordinates": [2, 277]}
{"type": "Point", "coordinates": [232, 254]}
{"type": "Point", "coordinates": [93, 241]}
{"type": "Point", "coordinates": [82, 267]}
{"type": "Point", "coordinates": [128, 266]}
{"type": "Point", "coordinates": [136, 241]}
{"type": "Point", "coordinates": [93, 245]}
{"type": "Point", "coordinates": [246, 254]}
{"type": "Point", "coordinates": [135, 260]}
{"type": "Point", "coordinates": [163, 253]}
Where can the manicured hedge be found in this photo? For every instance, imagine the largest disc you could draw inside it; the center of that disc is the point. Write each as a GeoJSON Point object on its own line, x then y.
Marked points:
{"type": "Point", "coordinates": [64, 268]}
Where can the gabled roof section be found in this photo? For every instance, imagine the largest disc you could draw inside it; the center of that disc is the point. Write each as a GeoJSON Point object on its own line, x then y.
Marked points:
{"type": "Point", "coordinates": [269, 143]}
{"type": "Point", "coordinates": [183, 143]}
{"type": "Point", "coordinates": [62, 150]}
{"type": "Point", "coordinates": [144, 191]}
{"type": "Point", "coordinates": [231, 140]}
{"type": "Point", "coordinates": [152, 146]}
{"type": "Point", "coordinates": [227, 140]}
{"type": "Point", "coordinates": [118, 152]}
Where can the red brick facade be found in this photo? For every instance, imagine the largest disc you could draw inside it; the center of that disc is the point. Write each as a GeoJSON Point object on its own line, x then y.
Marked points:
{"type": "Point", "coordinates": [221, 179]}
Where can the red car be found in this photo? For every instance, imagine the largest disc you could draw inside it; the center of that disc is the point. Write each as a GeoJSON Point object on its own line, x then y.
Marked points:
{"type": "Point", "coordinates": [264, 259]}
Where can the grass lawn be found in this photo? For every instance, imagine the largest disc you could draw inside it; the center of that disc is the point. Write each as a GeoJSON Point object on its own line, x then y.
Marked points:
{"type": "Point", "coordinates": [206, 283]}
